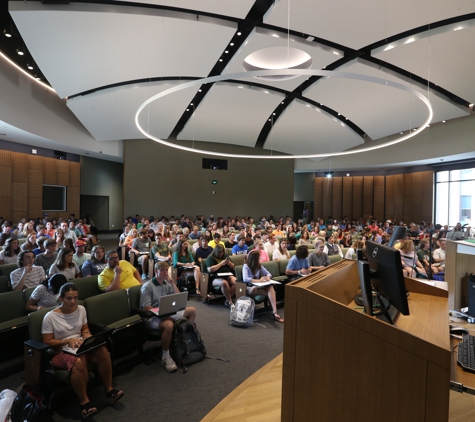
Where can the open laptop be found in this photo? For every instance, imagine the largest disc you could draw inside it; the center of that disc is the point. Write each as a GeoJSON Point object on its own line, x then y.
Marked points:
{"type": "Point", "coordinates": [90, 343]}
{"type": "Point", "coordinates": [171, 304]}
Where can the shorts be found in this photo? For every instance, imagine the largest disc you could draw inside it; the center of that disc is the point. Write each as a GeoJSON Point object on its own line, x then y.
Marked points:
{"type": "Point", "coordinates": [66, 361]}
{"type": "Point", "coordinates": [141, 258]}
{"type": "Point", "coordinates": [218, 282]}
{"type": "Point", "coordinates": [154, 322]}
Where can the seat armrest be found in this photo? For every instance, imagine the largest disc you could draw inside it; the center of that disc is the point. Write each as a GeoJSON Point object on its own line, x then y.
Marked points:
{"type": "Point", "coordinates": [96, 328]}
{"type": "Point", "coordinates": [141, 313]}
{"type": "Point", "coordinates": [37, 345]}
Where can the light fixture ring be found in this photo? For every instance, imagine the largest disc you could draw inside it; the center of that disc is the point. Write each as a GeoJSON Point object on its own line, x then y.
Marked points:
{"type": "Point", "coordinates": [299, 72]}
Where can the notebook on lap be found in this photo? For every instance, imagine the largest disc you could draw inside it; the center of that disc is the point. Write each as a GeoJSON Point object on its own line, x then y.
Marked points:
{"type": "Point", "coordinates": [90, 343]}
{"type": "Point", "coordinates": [171, 304]}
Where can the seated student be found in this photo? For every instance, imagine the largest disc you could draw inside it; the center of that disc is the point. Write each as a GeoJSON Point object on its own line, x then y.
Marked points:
{"type": "Point", "coordinates": [240, 248]}
{"type": "Point", "coordinates": [204, 250]}
{"type": "Point", "coordinates": [271, 245]}
{"type": "Point", "coordinates": [298, 265]}
{"type": "Point", "coordinates": [305, 239]}
{"type": "Point", "coordinates": [184, 263]}
{"type": "Point", "coordinates": [264, 257]}
{"type": "Point", "coordinates": [96, 263]}
{"type": "Point", "coordinates": [9, 254]}
{"type": "Point", "coordinates": [254, 272]}
{"type": "Point", "coordinates": [318, 259]}
{"type": "Point", "coordinates": [439, 255]}
{"type": "Point", "coordinates": [161, 249]}
{"type": "Point", "coordinates": [281, 252]}
{"type": "Point", "coordinates": [48, 257]}
{"type": "Point", "coordinates": [425, 258]}
{"type": "Point", "coordinates": [46, 294]}
{"type": "Point", "coordinates": [249, 240]}
{"type": "Point", "coordinates": [410, 263]}
{"type": "Point", "coordinates": [218, 262]}
{"type": "Point", "coordinates": [79, 256]}
{"type": "Point", "coordinates": [231, 242]}
{"type": "Point", "coordinates": [64, 264]}
{"type": "Point", "coordinates": [352, 250]}
{"type": "Point", "coordinates": [40, 247]}
{"type": "Point", "coordinates": [331, 248]}
{"type": "Point", "coordinates": [141, 248]}
{"type": "Point", "coordinates": [150, 295]}
{"type": "Point", "coordinates": [117, 275]}
{"type": "Point", "coordinates": [346, 241]}
{"type": "Point", "coordinates": [216, 241]}
{"type": "Point", "coordinates": [30, 243]}
{"type": "Point", "coordinates": [67, 325]}
{"type": "Point", "coordinates": [195, 234]}
{"type": "Point", "coordinates": [27, 274]}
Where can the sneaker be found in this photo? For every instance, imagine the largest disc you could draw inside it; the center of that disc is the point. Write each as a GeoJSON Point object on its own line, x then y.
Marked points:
{"type": "Point", "coordinates": [169, 364]}
{"type": "Point", "coordinates": [144, 277]}
{"type": "Point", "coordinates": [227, 303]}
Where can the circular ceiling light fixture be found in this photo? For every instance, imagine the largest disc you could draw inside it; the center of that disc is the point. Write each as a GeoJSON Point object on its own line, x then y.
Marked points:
{"type": "Point", "coordinates": [298, 72]}
{"type": "Point", "coordinates": [277, 58]}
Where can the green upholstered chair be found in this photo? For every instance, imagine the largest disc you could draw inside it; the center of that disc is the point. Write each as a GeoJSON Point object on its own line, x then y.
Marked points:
{"type": "Point", "coordinates": [6, 269]}
{"type": "Point", "coordinates": [88, 287]}
{"type": "Point", "coordinates": [4, 284]}
{"type": "Point", "coordinates": [112, 310]}
{"type": "Point", "coordinates": [13, 325]}
{"type": "Point", "coordinates": [238, 259]}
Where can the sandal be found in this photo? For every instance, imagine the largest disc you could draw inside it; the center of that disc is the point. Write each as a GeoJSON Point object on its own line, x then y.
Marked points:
{"type": "Point", "coordinates": [278, 318]}
{"type": "Point", "coordinates": [198, 292]}
{"type": "Point", "coordinates": [87, 410]}
{"type": "Point", "coordinates": [114, 395]}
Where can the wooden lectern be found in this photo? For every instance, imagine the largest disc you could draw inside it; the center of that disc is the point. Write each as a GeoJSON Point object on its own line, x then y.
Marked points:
{"type": "Point", "coordinates": [342, 365]}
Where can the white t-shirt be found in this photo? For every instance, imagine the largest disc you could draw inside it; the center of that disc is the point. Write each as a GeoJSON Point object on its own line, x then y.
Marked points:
{"type": "Point", "coordinates": [278, 255]}
{"type": "Point", "coordinates": [8, 259]}
{"type": "Point", "coordinates": [32, 279]}
{"type": "Point", "coordinates": [64, 325]}
{"type": "Point", "coordinates": [440, 254]}
{"type": "Point", "coordinates": [269, 248]}
{"type": "Point", "coordinates": [69, 273]}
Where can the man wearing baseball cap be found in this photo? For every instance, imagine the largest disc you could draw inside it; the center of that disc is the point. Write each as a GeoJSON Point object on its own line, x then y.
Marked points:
{"type": "Point", "coordinates": [80, 257]}
{"type": "Point", "coordinates": [150, 294]}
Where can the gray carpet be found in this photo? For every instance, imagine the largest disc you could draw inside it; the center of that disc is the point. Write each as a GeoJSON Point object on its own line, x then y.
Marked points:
{"type": "Point", "coordinates": [153, 394]}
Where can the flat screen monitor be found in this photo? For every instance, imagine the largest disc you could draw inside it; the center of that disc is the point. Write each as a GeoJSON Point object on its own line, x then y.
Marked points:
{"type": "Point", "coordinates": [387, 276]}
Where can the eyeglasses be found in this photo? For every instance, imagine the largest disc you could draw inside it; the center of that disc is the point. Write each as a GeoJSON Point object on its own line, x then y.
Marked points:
{"type": "Point", "coordinates": [112, 258]}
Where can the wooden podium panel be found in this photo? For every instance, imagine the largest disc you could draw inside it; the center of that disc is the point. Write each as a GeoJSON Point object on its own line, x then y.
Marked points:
{"type": "Point", "coordinates": [342, 365]}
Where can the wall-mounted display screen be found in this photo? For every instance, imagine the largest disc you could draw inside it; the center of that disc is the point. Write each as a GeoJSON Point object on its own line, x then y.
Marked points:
{"type": "Point", "coordinates": [54, 198]}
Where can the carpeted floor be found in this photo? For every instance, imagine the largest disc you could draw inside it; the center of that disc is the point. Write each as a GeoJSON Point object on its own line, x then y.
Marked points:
{"type": "Point", "coordinates": [153, 394]}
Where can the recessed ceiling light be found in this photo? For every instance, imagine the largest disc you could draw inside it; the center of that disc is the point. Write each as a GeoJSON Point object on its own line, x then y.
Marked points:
{"type": "Point", "coordinates": [266, 92]}
{"type": "Point", "coordinates": [282, 102]}
{"type": "Point", "coordinates": [231, 44]}
{"type": "Point", "coordinates": [187, 109]}
{"type": "Point", "coordinates": [414, 129]}
{"type": "Point", "coordinates": [458, 28]}
{"type": "Point", "coordinates": [7, 33]}
{"type": "Point", "coordinates": [309, 38]}
{"type": "Point", "coordinates": [400, 133]}
{"type": "Point", "coordinates": [443, 121]}
{"type": "Point", "coordinates": [339, 114]}
{"type": "Point", "coordinates": [226, 52]}
{"type": "Point", "coordinates": [347, 174]}
{"type": "Point", "coordinates": [220, 60]}
{"type": "Point", "coordinates": [30, 66]}
{"type": "Point", "coordinates": [191, 104]}
{"type": "Point", "coordinates": [240, 86]}
{"type": "Point", "coordinates": [199, 90]}
{"type": "Point", "coordinates": [275, 35]}
{"type": "Point", "coordinates": [238, 34]}
{"type": "Point", "coordinates": [273, 114]}
{"type": "Point", "coordinates": [19, 51]}
{"type": "Point", "coordinates": [336, 53]}
{"type": "Point", "coordinates": [34, 151]}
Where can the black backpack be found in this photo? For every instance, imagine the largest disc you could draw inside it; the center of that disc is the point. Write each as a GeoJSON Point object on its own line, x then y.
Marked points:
{"type": "Point", "coordinates": [186, 283]}
{"type": "Point", "coordinates": [187, 347]}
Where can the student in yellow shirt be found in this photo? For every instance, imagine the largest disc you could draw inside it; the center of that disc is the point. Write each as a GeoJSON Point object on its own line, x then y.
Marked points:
{"type": "Point", "coordinates": [118, 275]}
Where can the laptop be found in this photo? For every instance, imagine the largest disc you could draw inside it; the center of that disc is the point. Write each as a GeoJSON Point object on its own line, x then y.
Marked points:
{"type": "Point", "coordinates": [90, 343]}
{"type": "Point", "coordinates": [171, 304]}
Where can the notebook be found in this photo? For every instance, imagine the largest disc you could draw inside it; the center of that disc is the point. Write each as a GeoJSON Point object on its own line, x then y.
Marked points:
{"type": "Point", "coordinates": [171, 304]}
{"type": "Point", "coordinates": [90, 343]}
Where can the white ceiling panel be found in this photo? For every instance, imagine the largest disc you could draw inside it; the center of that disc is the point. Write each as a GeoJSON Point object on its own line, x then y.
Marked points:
{"type": "Point", "coordinates": [304, 129]}
{"type": "Point", "coordinates": [236, 9]}
{"type": "Point", "coordinates": [446, 59]}
{"type": "Point", "coordinates": [258, 41]}
{"type": "Point", "coordinates": [356, 24]}
{"type": "Point", "coordinates": [110, 114]}
{"type": "Point", "coordinates": [231, 115]}
{"type": "Point", "coordinates": [114, 47]}
{"type": "Point", "coordinates": [378, 110]}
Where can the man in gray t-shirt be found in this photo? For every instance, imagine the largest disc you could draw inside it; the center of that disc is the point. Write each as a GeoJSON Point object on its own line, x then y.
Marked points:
{"type": "Point", "coordinates": [48, 257]}
{"type": "Point", "coordinates": [141, 248]}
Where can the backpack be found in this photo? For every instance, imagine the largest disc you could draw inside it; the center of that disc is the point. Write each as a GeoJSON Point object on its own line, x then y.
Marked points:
{"type": "Point", "coordinates": [187, 347]}
{"type": "Point", "coordinates": [186, 283]}
{"type": "Point", "coordinates": [242, 313]}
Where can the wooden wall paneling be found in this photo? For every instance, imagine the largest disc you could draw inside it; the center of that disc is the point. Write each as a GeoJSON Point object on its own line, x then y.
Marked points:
{"type": "Point", "coordinates": [416, 197]}
{"type": "Point", "coordinates": [427, 196]}
{"type": "Point", "coordinates": [327, 198]}
{"type": "Point", "coordinates": [6, 158]}
{"type": "Point", "coordinates": [35, 183]}
{"type": "Point", "coordinates": [35, 162]}
{"type": "Point", "coordinates": [74, 174]}
{"type": "Point", "coordinates": [337, 198]}
{"type": "Point", "coordinates": [389, 198]}
{"type": "Point", "coordinates": [16, 216]}
{"type": "Point", "coordinates": [6, 207]}
{"type": "Point", "coordinates": [408, 186]}
{"type": "Point", "coordinates": [378, 199]}
{"type": "Point", "coordinates": [368, 192]}
{"type": "Point", "coordinates": [49, 171]}
{"type": "Point", "coordinates": [73, 200]}
{"type": "Point", "coordinates": [318, 197]}
{"type": "Point", "coordinates": [6, 181]}
{"type": "Point", "coordinates": [19, 197]}
{"type": "Point", "coordinates": [20, 167]}
{"type": "Point", "coordinates": [35, 206]}
{"type": "Point", "coordinates": [347, 199]}
{"type": "Point", "coordinates": [399, 196]}
{"type": "Point", "coordinates": [357, 197]}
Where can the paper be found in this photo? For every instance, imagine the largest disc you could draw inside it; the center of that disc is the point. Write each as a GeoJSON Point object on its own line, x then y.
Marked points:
{"type": "Point", "coordinates": [266, 283]}
{"type": "Point", "coordinates": [225, 274]}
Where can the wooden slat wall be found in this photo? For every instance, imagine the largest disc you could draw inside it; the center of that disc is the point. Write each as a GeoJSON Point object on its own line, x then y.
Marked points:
{"type": "Point", "coordinates": [21, 188]}
{"type": "Point", "coordinates": [407, 197]}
